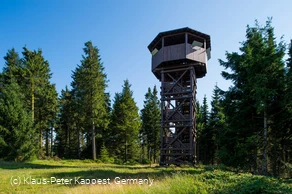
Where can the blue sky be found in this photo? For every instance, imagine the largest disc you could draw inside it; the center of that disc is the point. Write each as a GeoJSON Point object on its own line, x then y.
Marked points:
{"type": "Point", "coordinates": [122, 31]}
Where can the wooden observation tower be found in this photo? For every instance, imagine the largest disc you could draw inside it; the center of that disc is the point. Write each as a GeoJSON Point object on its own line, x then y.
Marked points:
{"type": "Point", "coordinates": [179, 57]}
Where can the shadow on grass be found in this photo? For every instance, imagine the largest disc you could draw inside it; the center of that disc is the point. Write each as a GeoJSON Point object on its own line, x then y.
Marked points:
{"type": "Point", "coordinates": [19, 165]}
{"type": "Point", "coordinates": [97, 166]}
{"type": "Point", "coordinates": [61, 164]}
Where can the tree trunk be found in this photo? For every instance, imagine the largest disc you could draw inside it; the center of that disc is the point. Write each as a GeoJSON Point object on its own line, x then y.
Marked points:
{"type": "Point", "coordinates": [82, 136]}
{"type": "Point", "coordinates": [47, 142]}
{"type": "Point", "coordinates": [255, 166]}
{"type": "Point", "coordinates": [41, 138]}
{"type": "Point", "coordinates": [93, 142]}
{"type": "Point", "coordinates": [67, 141]}
{"type": "Point", "coordinates": [197, 153]}
{"type": "Point", "coordinates": [52, 139]}
{"type": "Point", "coordinates": [265, 143]}
{"type": "Point", "coordinates": [154, 154]}
{"type": "Point", "coordinates": [143, 152]}
{"type": "Point", "coordinates": [126, 149]}
{"type": "Point", "coordinates": [32, 101]}
{"type": "Point", "coordinates": [79, 142]}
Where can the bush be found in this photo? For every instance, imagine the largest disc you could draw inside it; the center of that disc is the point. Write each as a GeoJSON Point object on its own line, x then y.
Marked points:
{"type": "Point", "coordinates": [118, 161]}
{"type": "Point", "coordinates": [104, 156]}
{"type": "Point", "coordinates": [145, 161]}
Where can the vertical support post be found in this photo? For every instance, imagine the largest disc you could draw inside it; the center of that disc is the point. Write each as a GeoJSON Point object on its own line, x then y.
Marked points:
{"type": "Point", "coordinates": [191, 139]}
{"type": "Point", "coordinates": [162, 160]}
{"type": "Point", "coordinates": [193, 117]}
{"type": "Point", "coordinates": [195, 112]}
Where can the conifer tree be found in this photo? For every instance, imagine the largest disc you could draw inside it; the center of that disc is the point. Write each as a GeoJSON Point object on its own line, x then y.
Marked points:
{"type": "Point", "coordinates": [32, 74]}
{"type": "Point", "coordinates": [150, 129]}
{"type": "Point", "coordinates": [199, 129]}
{"type": "Point", "coordinates": [67, 133]}
{"type": "Point", "coordinates": [89, 84]}
{"type": "Point", "coordinates": [36, 74]}
{"type": "Point", "coordinates": [203, 135]}
{"type": "Point", "coordinates": [47, 113]}
{"type": "Point", "coordinates": [125, 125]}
{"type": "Point", "coordinates": [258, 75]}
{"type": "Point", "coordinates": [289, 78]}
{"type": "Point", "coordinates": [216, 124]}
{"type": "Point", "coordinates": [284, 119]}
{"type": "Point", "coordinates": [41, 95]}
{"type": "Point", "coordinates": [17, 136]}
{"type": "Point", "coordinates": [205, 111]}
{"type": "Point", "coordinates": [104, 155]}
{"type": "Point", "coordinates": [12, 67]}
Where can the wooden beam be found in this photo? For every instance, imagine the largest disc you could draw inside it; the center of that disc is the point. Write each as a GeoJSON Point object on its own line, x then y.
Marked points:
{"type": "Point", "coordinates": [175, 138]}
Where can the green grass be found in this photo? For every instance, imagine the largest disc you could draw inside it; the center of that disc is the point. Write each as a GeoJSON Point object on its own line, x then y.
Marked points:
{"type": "Point", "coordinates": [165, 180]}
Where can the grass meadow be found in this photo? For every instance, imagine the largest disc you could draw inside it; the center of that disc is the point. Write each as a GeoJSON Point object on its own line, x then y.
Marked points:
{"type": "Point", "coordinates": [77, 176]}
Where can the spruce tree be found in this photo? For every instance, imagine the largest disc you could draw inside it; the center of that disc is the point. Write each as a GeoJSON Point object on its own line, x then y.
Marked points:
{"type": "Point", "coordinates": [204, 133]}
{"type": "Point", "coordinates": [150, 129]}
{"type": "Point", "coordinates": [36, 73]}
{"type": "Point", "coordinates": [47, 113]}
{"type": "Point", "coordinates": [12, 67]}
{"type": "Point", "coordinates": [251, 104]}
{"type": "Point", "coordinates": [41, 95]}
{"type": "Point", "coordinates": [104, 155]}
{"type": "Point", "coordinates": [216, 124]}
{"type": "Point", "coordinates": [64, 124]}
{"type": "Point", "coordinates": [285, 118]}
{"type": "Point", "coordinates": [289, 78]}
{"type": "Point", "coordinates": [205, 111]}
{"type": "Point", "coordinates": [17, 136]}
{"type": "Point", "coordinates": [199, 129]}
{"type": "Point", "coordinates": [68, 133]}
{"type": "Point", "coordinates": [125, 125]}
{"type": "Point", "coordinates": [89, 84]}
{"type": "Point", "coordinates": [266, 76]}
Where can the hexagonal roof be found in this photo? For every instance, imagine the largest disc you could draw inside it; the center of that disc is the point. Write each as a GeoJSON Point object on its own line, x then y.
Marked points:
{"type": "Point", "coordinates": [178, 31]}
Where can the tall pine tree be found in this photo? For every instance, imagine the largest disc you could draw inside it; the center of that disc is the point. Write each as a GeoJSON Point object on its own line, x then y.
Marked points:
{"type": "Point", "coordinates": [12, 67]}
{"type": "Point", "coordinates": [150, 129]}
{"type": "Point", "coordinates": [41, 95]}
{"type": "Point", "coordinates": [216, 124]}
{"type": "Point", "coordinates": [203, 135]}
{"type": "Point", "coordinates": [89, 86]}
{"type": "Point", "coordinates": [67, 133]}
{"type": "Point", "coordinates": [251, 104]}
{"type": "Point", "coordinates": [17, 136]}
{"type": "Point", "coordinates": [125, 125]}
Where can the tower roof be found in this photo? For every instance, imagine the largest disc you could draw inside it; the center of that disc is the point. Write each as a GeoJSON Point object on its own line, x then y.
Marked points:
{"type": "Point", "coordinates": [178, 31]}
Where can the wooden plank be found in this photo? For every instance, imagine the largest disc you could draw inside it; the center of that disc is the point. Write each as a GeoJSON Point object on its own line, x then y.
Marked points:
{"type": "Point", "coordinates": [174, 52]}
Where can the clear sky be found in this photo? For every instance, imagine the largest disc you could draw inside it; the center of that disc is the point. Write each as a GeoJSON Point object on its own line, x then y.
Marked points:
{"type": "Point", "coordinates": [122, 31]}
